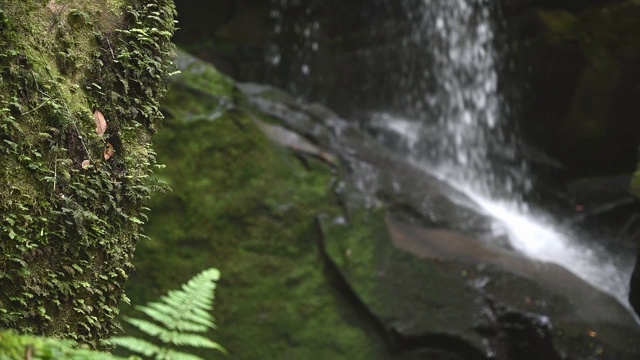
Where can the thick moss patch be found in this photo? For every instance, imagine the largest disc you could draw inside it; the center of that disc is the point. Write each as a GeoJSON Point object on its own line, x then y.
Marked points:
{"type": "Point", "coordinates": [67, 233]}
{"type": "Point", "coordinates": [248, 207]}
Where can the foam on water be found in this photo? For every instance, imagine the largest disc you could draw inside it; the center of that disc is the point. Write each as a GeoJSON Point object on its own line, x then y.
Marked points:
{"type": "Point", "coordinates": [538, 237]}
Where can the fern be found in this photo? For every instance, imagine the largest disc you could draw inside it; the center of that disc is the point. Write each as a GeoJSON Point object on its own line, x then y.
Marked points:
{"type": "Point", "coordinates": [177, 318]}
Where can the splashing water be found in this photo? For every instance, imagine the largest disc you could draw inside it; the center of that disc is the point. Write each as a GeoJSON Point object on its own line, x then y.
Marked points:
{"type": "Point", "coordinates": [454, 124]}
{"type": "Point", "coordinates": [467, 142]}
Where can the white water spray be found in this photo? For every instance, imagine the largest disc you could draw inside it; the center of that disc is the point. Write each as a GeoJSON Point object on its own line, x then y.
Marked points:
{"type": "Point", "coordinates": [473, 150]}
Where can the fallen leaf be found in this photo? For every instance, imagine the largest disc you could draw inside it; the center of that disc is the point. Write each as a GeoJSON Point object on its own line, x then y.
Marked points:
{"type": "Point", "coordinates": [101, 123]}
{"type": "Point", "coordinates": [109, 152]}
{"type": "Point", "coordinates": [86, 164]}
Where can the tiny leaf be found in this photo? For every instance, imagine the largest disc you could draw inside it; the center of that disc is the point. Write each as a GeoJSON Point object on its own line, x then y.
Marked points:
{"type": "Point", "coordinates": [109, 152]}
{"type": "Point", "coordinates": [101, 123]}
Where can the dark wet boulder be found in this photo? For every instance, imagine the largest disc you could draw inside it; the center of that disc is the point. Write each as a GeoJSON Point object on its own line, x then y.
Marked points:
{"type": "Point", "coordinates": [517, 334]}
{"type": "Point", "coordinates": [424, 281]}
{"type": "Point", "coordinates": [634, 292]}
{"type": "Point", "coordinates": [580, 63]}
{"type": "Point", "coordinates": [367, 257]}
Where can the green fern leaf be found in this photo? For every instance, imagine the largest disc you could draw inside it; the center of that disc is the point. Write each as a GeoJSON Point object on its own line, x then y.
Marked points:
{"type": "Point", "coordinates": [136, 345]}
{"type": "Point", "coordinates": [179, 314]}
{"type": "Point", "coordinates": [163, 317]}
{"type": "Point", "coordinates": [145, 326]}
{"type": "Point", "coordinates": [163, 313]}
{"type": "Point", "coordinates": [176, 355]}
{"type": "Point", "coordinates": [193, 340]}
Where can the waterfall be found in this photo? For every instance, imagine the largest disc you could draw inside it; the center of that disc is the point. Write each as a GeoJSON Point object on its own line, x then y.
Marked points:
{"type": "Point", "coordinates": [454, 123]}
{"type": "Point", "coordinates": [454, 97]}
{"type": "Point", "coordinates": [462, 122]}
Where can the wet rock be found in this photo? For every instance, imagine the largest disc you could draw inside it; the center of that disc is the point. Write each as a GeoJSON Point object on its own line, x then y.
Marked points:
{"type": "Point", "coordinates": [580, 61]}
{"type": "Point", "coordinates": [514, 334]}
{"type": "Point", "coordinates": [309, 121]}
{"type": "Point", "coordinates": [408, 269]}
{"type": "Point", "coordinates": [293, 141]}
{"type": "Point", "coordinates": [634, 291]}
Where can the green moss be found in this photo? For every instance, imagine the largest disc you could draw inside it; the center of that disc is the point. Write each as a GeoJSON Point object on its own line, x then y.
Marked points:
{"type": "Point", "coordinates": [354, 247]}
{"type": "Point", "coordinates": [67, 234]}
{"type": "Point", "coordinates": [247, 207]}
{"type": "Point", "coordinates": [18, 347]}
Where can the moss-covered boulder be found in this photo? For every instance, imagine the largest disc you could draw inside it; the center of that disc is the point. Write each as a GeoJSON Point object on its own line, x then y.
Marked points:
{"type": "Point", "coordinates": [80, 83]}
{"type": "Point", "coordinates": [248, 206]}
{"type": "Point", "coordinates": [330, 246]}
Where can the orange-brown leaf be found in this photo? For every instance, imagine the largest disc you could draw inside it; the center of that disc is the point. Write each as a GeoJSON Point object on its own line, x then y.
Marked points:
{"type": "Point", "coordinates": [101, 123]}
{"type": "Point", "coordinates": [109, 152]}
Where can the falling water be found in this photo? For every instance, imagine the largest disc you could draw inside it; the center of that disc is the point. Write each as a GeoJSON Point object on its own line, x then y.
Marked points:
{"type": "Point", "coordinates": [460, 111]}
{"type": "Point", "coordinates": [455, 124]}
{"type": "Point", "coordinates": [467, 142]}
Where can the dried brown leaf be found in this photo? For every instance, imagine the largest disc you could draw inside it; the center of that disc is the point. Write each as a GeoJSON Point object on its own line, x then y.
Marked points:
{"type": "Point", "coordinates": [109, 151]}
{"type": "Point", "coordinates": [101, 123]}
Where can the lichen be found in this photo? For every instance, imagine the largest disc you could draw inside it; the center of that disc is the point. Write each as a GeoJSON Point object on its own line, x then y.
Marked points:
{"type": "Point", "coordinates": [67, 233]}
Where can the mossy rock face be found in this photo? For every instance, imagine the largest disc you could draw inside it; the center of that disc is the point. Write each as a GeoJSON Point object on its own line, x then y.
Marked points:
{"type": "Point", "coordinates": [71, 198]}
{"type": "Point", "coordinates": [248, 207]}
{"type": "Point", "coordinates": [583, 85]}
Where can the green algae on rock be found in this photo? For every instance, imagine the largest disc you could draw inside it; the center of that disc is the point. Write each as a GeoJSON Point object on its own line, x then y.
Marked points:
{"type": "Point", "coordinates": [248, 207]}
{"type": "Point", "coordinates": [68, 233]}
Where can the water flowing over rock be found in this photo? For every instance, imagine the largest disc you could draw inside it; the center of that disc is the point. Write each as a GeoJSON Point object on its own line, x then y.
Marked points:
{"type": "Point", "coordinates": [428, 283]}
{"type": "Point", "coordinates": [435, 244]}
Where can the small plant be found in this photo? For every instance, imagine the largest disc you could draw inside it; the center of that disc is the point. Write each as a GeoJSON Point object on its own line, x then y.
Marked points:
{"type": "Point", "coordinates": [179, 316]}
{"type": "Point", "coordinates": [19, 347]}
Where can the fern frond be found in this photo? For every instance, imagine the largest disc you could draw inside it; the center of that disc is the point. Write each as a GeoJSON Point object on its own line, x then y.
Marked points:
{"type": "Point", "coordinates": [187, 309]}
{"type": "Point", "coordinates": [176, 355]}
{"type": "Point", "coordinates": [136, 345]}
{"type": "Point", "coordinates": [163, 314]}
{"type": "Point", "coordinates": [179, 314]}
{"type": "Point", "coordinates": [145, 326]}
{"type": "Point", "coordinates": [194, 340]}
